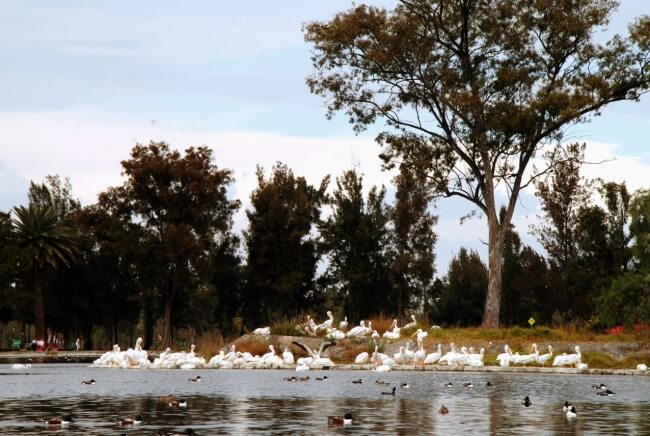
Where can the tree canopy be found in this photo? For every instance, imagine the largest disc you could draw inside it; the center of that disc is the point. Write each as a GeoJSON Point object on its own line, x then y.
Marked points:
{"type": "Point", "coordinates": [472, 90]}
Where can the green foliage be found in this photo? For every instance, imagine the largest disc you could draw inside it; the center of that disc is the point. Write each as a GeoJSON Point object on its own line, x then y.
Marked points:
{"type": "Point", "coordinates": [281, 262]}
{"type": "Point", "coordinates": [471, 91]}
{"type": "Point", "coordinates": [167, 216]}
{"type": "Point", "coordinates": [356, 242]}
{"type": "Point", "coordinates": [462, 297]}
{"type": "Point", "coordinates": [626, 301]}
{"type": "Point", "coordinates": [414, 240]}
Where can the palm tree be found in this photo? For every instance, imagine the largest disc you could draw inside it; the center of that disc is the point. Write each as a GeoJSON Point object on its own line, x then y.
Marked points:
{"type": "Point", "coordinates": [45, 241]}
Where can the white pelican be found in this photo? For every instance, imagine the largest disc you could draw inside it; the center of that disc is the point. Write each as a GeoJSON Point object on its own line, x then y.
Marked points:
{"type": "Point", "coordinates": [420, 354]}
{"type": "Point", "coordinates": [394, 332]}
{"type": "Point", "coordinates": [523, 359]}
{"type": "Point", "coordinates": [568, 359]}
{"type": "Point", "coordinates": [642, 367]}
{"type": "Point", "coordinates": [216, 360]}
{"type": "Point", "coordinates": [433, 357]}
{"type": "Point", "coordinates": [362, 358]}
{"type": "Point", "coordinates": [375, 334]}
{"type": "Point", "coordinates": [358, 330]}
{"type": "Point", "coordinates": [325, 325]}
{"type": "Point", "coordinates": [343, 325]}
{"type": "Point", "coordinates": [504, 358]}
{"type": "Point", "coordinates": [382, 368]}
{"type": "Point", "coordinates": [334, 334]}
{"type": "Point", "coordinates": [316, 356]}
{"type": "Point", "coordinates": [409, 355]}
{"type": "Point", "coordinates": [459, 358]}
{"type": "Point", "coordinates": [452, 351]}
{"type": "Point", "coordinates": [543, 358]}
{"type": "Point", "coordinates": [21, 366]}
{"type": "Point", "coordinates": [420, 334]}
{"type": "Point", "coordinates": [412, 324]}
{"type": "Point", "coordinates": [262, 331]}
{"type": "Point", "coordinates": [287, 356]}
{"type": "Point", "coordinates": [476, 359]}
{"type": "Point", "coordinates": [399, 357]}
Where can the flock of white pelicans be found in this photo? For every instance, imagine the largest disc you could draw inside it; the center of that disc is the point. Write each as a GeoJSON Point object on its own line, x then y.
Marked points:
{"type": "Point", "coordinates": [376, 361]}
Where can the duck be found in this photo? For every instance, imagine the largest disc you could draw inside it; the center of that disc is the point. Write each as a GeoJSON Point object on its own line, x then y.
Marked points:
{"type": "Point", "coordinates": [358, 381]}
{"type": "Point", "coordinates": [340, 420]}
{"type": "Point", "coordinates": [290, 379]}
{"type": "Point", "coordinates": [605, 393]}
{"type": "Point", "coordinates": [188, 431]}
{"type": "Point", "coordinates": [137, 419]}
{"type": "Point", "coordinates": [195, 379]}
{"type": "Point", "coordinates": [566, 406]}
{"type": "Point", "coordinates": [443, 410]}
{"type": "Point", "coordinates": [324, 378]}
{"type": "Point", "coordinates": [405, 385]}
{"type": "Point", "coordinates": [526, 402]}
{"type": "Point", "coordinates": [599, 386]}
{"type": "Point", "coordinates": [468, 385]}
{"type": "Point", "coordinates": [381, 382]}
{"type": "Point", "coordinates": [571, 413]}
{"type": "Point", "coordinates": [177, 403]}
{"type": "Point", "coordinates": [488, 384]}
{"type": "Point", "coordinates": [390, 392]}
{"type": "Point", "coordinates": [61, 420]}
{"type": "Point", "coordinates": [450, 384]}
{"type": "Point", "coordinates": [303, 379]}
{"type": "Point", "coordinates": [88, 382]}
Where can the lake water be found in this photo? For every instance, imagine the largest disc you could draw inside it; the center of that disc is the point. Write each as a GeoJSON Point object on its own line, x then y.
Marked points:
{"type": "Point", "coordinates": [261, 402]}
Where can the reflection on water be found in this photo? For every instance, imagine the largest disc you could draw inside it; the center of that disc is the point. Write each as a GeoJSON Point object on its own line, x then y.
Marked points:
{"type": "Point", "coordinates": [254, 402]}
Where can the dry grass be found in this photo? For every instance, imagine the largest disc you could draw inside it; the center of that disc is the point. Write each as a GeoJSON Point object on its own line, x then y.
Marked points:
{"type": "Point", "coordinates": [254, 344]}
{"type": "Point", "coordinates": [208, 344]}
{"type": "Point", "coordinates": [287, 327]}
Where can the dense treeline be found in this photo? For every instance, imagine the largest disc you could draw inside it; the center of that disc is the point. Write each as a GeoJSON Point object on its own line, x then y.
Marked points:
{"type": "Point", "coordinates": [158, 256]}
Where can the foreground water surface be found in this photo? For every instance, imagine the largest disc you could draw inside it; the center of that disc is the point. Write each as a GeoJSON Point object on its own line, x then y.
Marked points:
{"type": "Point", "coordinates": [261, 402]}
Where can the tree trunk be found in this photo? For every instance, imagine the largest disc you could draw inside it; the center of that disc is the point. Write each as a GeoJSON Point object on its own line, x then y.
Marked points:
{"type": "Point", "coordinates": [493, 298]}
{"type": "Point", "coordinates": [39, 306]}
{"type": "Point", "coordinates": [167, 325]}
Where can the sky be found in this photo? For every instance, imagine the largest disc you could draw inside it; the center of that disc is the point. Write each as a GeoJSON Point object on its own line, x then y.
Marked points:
{"type": "Point", "coordinates": [82, 82]}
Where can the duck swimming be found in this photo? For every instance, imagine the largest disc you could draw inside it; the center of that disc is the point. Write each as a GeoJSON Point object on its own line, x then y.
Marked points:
{"type": "Point", "coordinates": [405, 385]}
{"type": "Point", "coordinates": [605, 393]}
{"type": "Point", "coordinates": [359, 381]}
{"type": "Point", "coordinates": [88, 382]}
{"type": "Point", "coordinates": [340, 420]}
{"type": "Point", "coordinates": [526, 402]}
{"type": "Point", "coordinates": [468, 385]}
{"type": "Point", "coordinates": [177, 403]}
{"type": "Point", "coordinates": [443, 410]}
{"type": "Point", "coordinates": [63, 420]}
{"type": "Point", "coordinates": [566, 407]}
{"type": "Point", "coordinates": [195, 379]}
{"type": "Point", "coordinates": [571, 413]}
{"type": "Point", "coordinates": [137, 419]}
